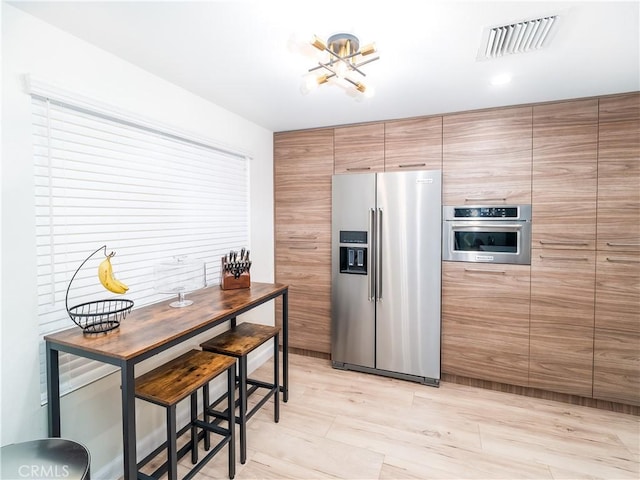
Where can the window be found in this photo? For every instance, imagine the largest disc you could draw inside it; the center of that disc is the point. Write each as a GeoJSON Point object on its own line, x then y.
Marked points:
{"type": "Point", "coordinates": [145, 194]}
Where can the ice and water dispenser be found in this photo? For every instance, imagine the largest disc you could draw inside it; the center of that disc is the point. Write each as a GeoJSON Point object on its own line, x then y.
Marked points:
{"type": "Point", "coordinates": [353, 252]}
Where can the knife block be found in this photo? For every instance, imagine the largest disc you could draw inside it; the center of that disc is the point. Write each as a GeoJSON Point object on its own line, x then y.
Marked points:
{"type": "Point", "coordinates": [229, 282]}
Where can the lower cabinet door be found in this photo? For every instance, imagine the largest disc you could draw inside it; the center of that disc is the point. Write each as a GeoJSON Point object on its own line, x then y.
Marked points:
{"type": "Point", "coordinates": [304, 263]}
{"type": "Point", "coordinates": [485, 321]}
{"type": "Point", "coordinates": [616, 375]}
{"type": "Point", "coordinates": [562, 358]}
{"type": "Point", "coordinates": [562, 319]}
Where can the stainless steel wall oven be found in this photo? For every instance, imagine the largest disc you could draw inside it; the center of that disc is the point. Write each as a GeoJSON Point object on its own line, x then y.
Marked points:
{"type": "Point", "coordinates": [490, 234]}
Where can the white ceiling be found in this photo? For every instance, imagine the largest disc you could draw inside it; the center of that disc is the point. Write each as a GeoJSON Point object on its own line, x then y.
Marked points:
{"type": "Point", "coordinates": [250, 57]}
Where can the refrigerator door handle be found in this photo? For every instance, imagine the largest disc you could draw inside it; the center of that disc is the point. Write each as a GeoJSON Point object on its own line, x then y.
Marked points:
{"type": "Point", "coordinates": [379, 256]}
{"type": "Point", "coordinates": [372, 269]}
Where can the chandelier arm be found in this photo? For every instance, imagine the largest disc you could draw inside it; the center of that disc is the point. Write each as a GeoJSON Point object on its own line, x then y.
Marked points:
{"type": "Point", "coordinates": [333, 73]}
{"type": "Point", "coordinates": [367, 61]}
{"type": "Point", "coordinates": [351, 81]}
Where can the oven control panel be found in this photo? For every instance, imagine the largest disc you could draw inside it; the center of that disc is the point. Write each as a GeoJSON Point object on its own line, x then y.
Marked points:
{"type": "Point", "coordinates": [486, 212]}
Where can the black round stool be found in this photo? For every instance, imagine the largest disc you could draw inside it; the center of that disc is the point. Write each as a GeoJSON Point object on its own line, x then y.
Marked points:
{"type": "Point", "coordinates": [45, 458]}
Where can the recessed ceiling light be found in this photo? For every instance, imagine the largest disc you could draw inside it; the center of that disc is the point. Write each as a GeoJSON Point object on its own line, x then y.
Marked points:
{"type": "Point", "coordinates": [501, 79]}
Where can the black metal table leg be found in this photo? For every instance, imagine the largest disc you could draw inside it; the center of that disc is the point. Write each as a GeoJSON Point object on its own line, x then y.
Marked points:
{"type": "Point", "coordinates": [53, 391]}
{"type": "Point", "coordinates": [285, 346]}
{"type": "Point", "coordinates": [129, 420]}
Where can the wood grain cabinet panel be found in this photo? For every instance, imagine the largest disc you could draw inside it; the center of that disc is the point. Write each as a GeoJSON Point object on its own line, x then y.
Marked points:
{"type": "Point", "coordinates": [485, 321]}
{"type": "Point", "coordinates": [619, 174]}
{"type": "Point", "coordinates": [359, 148]}
{"type": "Point", "coordinates": [618, 292]}
{"type": "Point", "coordinates": [561, 358]}
{"type": "Point", "coordinates": [562, 321]}
{"type": "Point", "coordinates": [563, 287]}
{"type": "Point", "coordinates": [303, 165]}
{"type": "Point", "coordinates": [565, 174]}
{"type": "Point", "coordinates": [414, 144]}
{"type": "Point", "coordinates": [617, 367]}
{"type": "Point", "coordinates": [302, 263]}
{"type": "Point", "coordinates": [487, 157]}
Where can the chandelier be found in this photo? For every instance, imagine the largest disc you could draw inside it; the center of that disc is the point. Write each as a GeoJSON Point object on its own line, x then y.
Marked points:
{"type": "Point", "coordinates": [344, 61]}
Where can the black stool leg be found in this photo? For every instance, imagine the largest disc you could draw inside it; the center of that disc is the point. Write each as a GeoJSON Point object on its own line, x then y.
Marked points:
{"type": "Point", "coordinates": [194, 429]}
{"type": "Point", "coordinates": [243, 408]}
{"type": "Point", "coordinates": [276, 379]}
{"type": "Point", "coordinates": [205, 403]}
{"type": "Point", "coordinates": [231, 389]}
{"type": "Point", "coordinates": [172, 450]}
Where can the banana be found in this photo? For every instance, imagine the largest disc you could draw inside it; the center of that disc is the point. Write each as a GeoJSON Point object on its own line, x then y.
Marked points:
{"type": "Point", "coordinates": [105, 274]}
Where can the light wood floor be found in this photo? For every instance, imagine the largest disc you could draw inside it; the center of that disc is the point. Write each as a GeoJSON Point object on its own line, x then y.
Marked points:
{"type": "Point", "coordinates": [349, 425]}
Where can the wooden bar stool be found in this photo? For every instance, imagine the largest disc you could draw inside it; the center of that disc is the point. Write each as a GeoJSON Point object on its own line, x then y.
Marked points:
{"type": "Point", "coordinates": [238, 342]}
{"type": "Point", "coordinates": [176, 380]}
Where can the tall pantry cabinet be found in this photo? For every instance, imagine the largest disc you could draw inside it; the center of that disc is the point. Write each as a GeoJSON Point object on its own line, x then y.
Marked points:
{"type": "Point", "coordinates": [617, 314]}
{"type": "Point", "coordinates": [303, 165]}
{"type": "Point", "coordinates": [564, 191]}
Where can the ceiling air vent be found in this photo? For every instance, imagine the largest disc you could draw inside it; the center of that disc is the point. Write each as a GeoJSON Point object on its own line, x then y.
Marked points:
{"type": "Point", "coordinates": [518, 37]}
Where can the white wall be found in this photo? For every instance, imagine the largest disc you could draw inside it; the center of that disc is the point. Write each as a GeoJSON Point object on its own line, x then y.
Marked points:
{"type": "Point", "coordinates": [92, 414]}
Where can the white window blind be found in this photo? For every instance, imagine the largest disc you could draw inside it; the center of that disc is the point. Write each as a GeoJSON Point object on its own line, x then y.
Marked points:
{"type": "Point", "coordinates": [147, 195]}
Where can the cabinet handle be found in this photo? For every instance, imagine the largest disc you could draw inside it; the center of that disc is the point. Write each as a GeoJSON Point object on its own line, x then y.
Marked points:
{"type": "Point", "coordinates": [302, 247]}
{"type": "Point", "coordinates": [410, 165]}
{"type": "Point", "coordinates": [494, 272]}
{"type": "Point", "coordinates": [622, 260]}
{"type": "Point", "coordinates": [355, 169]}
{"type": "Point", "coordinates": [614, 244]}
{"type": "Point", "coordinates": [576, 259]}
{"type": "Point", "coordinates": [486, 199]}
{"type": "Point", "coordinates": [308, 237]}
{"type": "Point", "coordinates": [543, 242]}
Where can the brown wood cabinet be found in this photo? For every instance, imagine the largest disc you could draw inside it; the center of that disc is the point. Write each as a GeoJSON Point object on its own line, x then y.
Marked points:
{"type": "Point", "coordinates": [616, 366]}
{"type": "Point", "coordinates": [617, 334]}
{"type": "Point", "coordinates": [303, 165]}
{"type": "Point", "coordinates": [564, 190]}
{"type": "Point", "coordinates": [485, 321]}
{"type": "Point", "coordinates": [618, 292]}
{"type": "Point", "coordinates": [619, 174]}
{"type": "Point", "coordinates": [359, 148]}
{"type": "Point", "coordinates": [565, 175]}
{"type": "Point", "coordinates": [413, 144]}
{"type": "Point", "coordinates": [487, 157]}
{"type": "Point", "coordinates": [562, 321]}
{"type": "Point", "coordinates": [617, 311]}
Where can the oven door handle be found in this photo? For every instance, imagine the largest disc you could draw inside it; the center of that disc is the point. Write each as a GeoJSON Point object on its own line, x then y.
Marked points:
{"type": "Point", "coordinates": [475, 226]}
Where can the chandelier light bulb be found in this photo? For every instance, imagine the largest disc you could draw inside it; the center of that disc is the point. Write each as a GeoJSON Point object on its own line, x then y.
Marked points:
{"type": "Point", "coordinates": [368, 49]}
{"type": "Point", "coordinates": [319, 44]}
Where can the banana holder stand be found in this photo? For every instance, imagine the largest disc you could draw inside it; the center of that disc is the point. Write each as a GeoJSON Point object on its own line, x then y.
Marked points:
{"type": "Point", "coordinates": [98, 316]}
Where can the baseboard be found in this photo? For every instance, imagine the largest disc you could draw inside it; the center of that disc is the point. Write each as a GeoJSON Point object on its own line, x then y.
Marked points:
{"type": "Point", "coordinates": [543, 394]}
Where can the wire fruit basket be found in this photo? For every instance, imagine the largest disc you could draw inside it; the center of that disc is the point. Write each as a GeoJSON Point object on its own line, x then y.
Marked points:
{"type": "Point", "coordinates": [97, 316]}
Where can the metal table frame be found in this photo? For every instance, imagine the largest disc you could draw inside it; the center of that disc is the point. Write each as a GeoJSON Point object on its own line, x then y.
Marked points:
{"type": "Point", "coordinates": [217, 314]}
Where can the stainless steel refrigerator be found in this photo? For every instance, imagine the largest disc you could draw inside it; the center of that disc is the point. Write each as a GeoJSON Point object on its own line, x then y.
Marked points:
{"type": "Point", "coordinates": [386, 251]}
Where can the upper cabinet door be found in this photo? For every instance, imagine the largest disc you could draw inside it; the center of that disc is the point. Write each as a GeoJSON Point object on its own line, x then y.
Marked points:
{"type": "Point", "coordinates": [565, 175]}
{"type": "Point", "coordinates": [359, 148]}
{"type": "Point", "coordinates": [414, 144]}
{"type": "Point", "coordinates": [619, 174]}
{"type": "Point", "coordinates": [303, 165]}
{"type": "Point", "coordinates": [487, 157]}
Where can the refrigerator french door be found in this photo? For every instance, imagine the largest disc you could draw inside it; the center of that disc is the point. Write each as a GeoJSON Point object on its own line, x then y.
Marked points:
{"type": "Point", "coordinates": [386, 251]}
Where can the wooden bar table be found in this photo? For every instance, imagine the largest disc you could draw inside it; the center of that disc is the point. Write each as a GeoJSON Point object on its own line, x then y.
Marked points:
{"type": "Point", "coordinates": [149, 330]}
